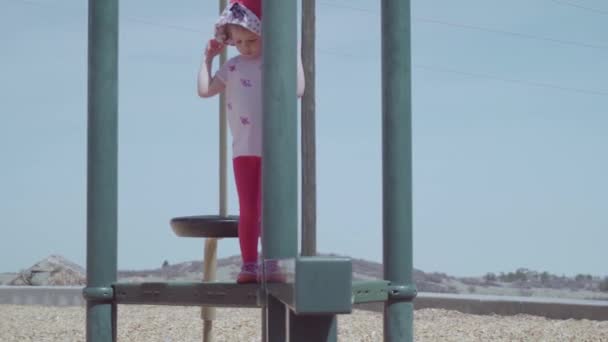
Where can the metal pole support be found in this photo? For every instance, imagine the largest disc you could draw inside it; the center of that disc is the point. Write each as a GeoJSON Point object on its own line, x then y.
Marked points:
{"type": "Point", "coordinates": [279, 165]}
{"type": "Point", "coordinates": [397, 168]}
{"type": "Point", "coordinates": [102, 169]}
{"type": "Point", "coordinates": [208, 314]}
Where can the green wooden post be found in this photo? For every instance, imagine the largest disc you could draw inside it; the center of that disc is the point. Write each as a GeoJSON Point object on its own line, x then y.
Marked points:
{"type": "Point", "coordinates": [397, 167]}
{"type": "Point", "coordinates": [102, 186]}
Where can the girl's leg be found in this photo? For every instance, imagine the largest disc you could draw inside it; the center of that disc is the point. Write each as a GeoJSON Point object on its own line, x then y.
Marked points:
{"type": "Point", "coordinates": [248, 177]}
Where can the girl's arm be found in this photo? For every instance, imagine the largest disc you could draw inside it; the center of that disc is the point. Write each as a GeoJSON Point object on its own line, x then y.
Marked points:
{"type": "Point", "coordinates": [208, 85]}
{"type": "Point", "coordinates": [300, 75]}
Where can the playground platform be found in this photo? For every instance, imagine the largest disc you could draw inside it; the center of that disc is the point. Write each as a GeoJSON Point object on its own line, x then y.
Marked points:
{"type": "Point", "coordinates": [553, 308]}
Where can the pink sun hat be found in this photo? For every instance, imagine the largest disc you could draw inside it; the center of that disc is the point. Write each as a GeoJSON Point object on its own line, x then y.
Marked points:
{"type": "Point", "coordinates": [245, 13]}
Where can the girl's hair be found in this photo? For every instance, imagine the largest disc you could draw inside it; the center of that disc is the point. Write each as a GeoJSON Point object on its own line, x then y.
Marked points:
{"type": "Point", "coordinates": [230, 27]}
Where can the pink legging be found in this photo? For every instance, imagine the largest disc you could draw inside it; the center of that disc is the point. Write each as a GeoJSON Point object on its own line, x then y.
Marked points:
{"type": "Point", "coordinates": [248, 178]}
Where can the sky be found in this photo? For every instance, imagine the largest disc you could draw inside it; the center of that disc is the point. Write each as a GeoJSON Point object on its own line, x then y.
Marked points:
{"type": "Point", "coordinates": [510, 114]}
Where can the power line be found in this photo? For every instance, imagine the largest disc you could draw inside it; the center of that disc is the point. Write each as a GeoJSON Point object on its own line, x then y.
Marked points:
{"type": "Point", "coordinates": [420, 19]}
{"type": "Point", "coordinates": [417, 66]}
{"type": "Point", "coordinates": [477, 28]}
{"type": "Point", "coordinates": [512, 80]}
{"type": "Point", "coordinates": [171, 26]}
{"type": "Point", "coordinates": [480, 75]}
{"type": "Point", "coordinates": [346, 6]}
{"type": "Point", "coordinates": [128, 18]}
{"type": "Point", "coordinates": [575, 5]}
{"type": "Point", "coordinates": [510, 33]}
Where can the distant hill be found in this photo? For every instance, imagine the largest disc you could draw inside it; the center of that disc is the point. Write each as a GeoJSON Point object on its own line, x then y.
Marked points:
{"type": "Point", "coordinates": [53, 270]}
{"type": "Point", "coordinates": [56, 270]}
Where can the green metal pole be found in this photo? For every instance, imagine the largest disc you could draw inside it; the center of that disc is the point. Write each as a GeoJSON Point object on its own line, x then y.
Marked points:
{"type": "Point", "coordinates": [279, 163]}
{"type": "Point", "coordinates": [208, 313]}
{"type": "Point", "coordinates": [279, 168]}
{"type": "Point", "coordinates": [397, 165]}
{"type": "Point", "coordinates": [102, 184]}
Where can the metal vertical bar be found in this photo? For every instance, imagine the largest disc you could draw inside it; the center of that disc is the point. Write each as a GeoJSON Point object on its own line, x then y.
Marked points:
{"type": "Point", "coordinates": [223, 152]}
{"type": "Point", "coordinates": [397, 164]}
{"type": "Point", "coordinates": [102, 165]}
{"type": "Point", "coordinates": [208, 314]}
{"type": "Point", "coordinates": [279, 162]}
{"type": "Point", "coordinates": [309, 181]}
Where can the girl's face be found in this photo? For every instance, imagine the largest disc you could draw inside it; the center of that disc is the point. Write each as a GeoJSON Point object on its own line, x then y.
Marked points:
{"type": "Point", "coordinates": [247, 43]}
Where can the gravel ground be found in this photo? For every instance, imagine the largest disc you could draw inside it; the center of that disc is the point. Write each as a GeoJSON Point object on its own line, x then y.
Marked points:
{"type": "Point", "coordinates": [183, 324]}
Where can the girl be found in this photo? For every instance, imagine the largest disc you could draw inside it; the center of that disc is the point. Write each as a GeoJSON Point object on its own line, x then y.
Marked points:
{"type": "Point", "coordinates": [241, 78]}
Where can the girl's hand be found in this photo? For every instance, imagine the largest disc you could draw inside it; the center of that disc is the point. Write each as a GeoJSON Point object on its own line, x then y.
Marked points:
{"type": "Point", "coordinates": [213, 49]}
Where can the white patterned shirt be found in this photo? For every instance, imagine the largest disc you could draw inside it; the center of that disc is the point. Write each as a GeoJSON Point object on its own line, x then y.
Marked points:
{"type": "Point", "coordinates": [243, 80]}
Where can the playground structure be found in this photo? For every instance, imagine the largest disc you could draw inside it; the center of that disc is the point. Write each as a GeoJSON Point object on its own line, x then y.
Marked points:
{"type": "Point", "coordinates": [318, 288]}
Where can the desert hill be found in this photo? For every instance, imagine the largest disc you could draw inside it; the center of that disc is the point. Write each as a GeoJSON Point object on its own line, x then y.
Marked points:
{"type": "Point", "coordinates": [57, 270]}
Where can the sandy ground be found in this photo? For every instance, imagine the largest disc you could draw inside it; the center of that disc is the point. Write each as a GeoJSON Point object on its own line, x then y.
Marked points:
{"type": "Point", "coordinates": [183, 324]}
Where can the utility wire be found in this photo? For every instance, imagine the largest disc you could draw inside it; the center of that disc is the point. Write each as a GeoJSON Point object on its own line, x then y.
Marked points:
{"type": "Point", "coordinates": [512, 80]}
{"type": "Point", "coordinates": [171, 26]}
{"type": "Point", "coordinates": [128, 18]}
{"type": "Point", "coordinates": [477, 28]}
{"type": "Point", "coordinates": [348, 55]}
{"type": "Point", "coordinates": [479, 75]}
{"type": "Point", "coordinates": [420, 19]}
{"type": "Point", "coordinates": [575, 5]}
{"type": "Point", "coordinates": [510, 33]}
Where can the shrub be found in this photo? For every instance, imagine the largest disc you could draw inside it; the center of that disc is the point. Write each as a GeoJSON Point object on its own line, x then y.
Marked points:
{"type": "Point", "coordinates": [490, 278]}
{"type": "Point", "coordinates": [604, 285]}
{"type": "Point", "coordinates": [545, 277]}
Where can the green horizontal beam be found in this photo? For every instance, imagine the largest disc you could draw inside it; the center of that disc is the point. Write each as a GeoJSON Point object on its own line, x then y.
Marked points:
{"type": "Point", "coordinates": [318, 292]}
{"type": "Point", "coordinates": [381, 290]}
{"type": "Point", "coordinates": [320, 286]}
{"type": "Point", "coordinates": [370, 291]}
{"type": "Point", "coordinates": [188, 294]}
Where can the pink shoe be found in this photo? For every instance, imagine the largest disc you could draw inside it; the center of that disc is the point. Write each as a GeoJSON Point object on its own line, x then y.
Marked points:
{"type": "Point", "coordinates": [273, 272]}
{"type": "Point", "coordinates": [248, 274]}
